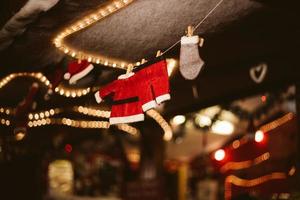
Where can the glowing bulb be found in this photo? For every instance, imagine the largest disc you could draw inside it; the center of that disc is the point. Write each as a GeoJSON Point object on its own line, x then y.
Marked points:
{"type": "Point", "coordinates": [219, 155]}
{"type": "Point", "coordinates": [259, 136]}
{"type": "Point", "coordinates": [178, 119]}
{"type": "Point", "coordinates": [223, 127]}
{"type": "Point", "coordinates": [236, 144]}
{"type": "Point", "coordinates": [203, 120]}
{"type": "Point", "coordinates": [20, 136]}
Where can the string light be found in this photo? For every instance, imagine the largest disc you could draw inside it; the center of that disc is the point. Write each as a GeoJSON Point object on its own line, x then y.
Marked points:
{"type": "Point", "coordinates": [234, 180]}
{"type": "Point", "coordinates": [44, 114]}
{"type": "Point", "coordinates": [82, 124]}
{"type": "Point", "coordinates": [5, 122]}
{"type": "Point", "coordinates": [266, 128]}
{"type": "Point", "coordinates": [168, 134]}
{"type": "Point", "coordinates": [270, 126]}
{"type": "Point", "coordinates": [129, 129]}
{"type": "Point", "coordinates": [69, 122]}
{"type": "Point", "coordinates": [72, 93]}
{"type": "Point", "coordinates": [92, 112]}
{"type": "Point", "coordinates": [39, 76]}
{"type": "Point", "coordinates": [96, 16]}
{"type": "Point", "coordinates": [60, 90]}
{"type": "Point", "coordinates": [6, 111]}
{"type": "Point", "coordinates": [244, 164]}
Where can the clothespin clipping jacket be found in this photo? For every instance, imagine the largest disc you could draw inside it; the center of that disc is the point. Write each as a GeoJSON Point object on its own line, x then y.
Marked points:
{"type": "Point", "coordinates": [158, 53]}
{"type": "Point", "coordinates": [129, 68]}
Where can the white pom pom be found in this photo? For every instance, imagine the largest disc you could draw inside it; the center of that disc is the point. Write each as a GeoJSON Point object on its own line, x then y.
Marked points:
{"type": "Point", "coordinates": [67, 76]}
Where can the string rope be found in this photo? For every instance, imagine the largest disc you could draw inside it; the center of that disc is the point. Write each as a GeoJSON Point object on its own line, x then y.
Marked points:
{"type": "Point", "coordinates": [197, 26]}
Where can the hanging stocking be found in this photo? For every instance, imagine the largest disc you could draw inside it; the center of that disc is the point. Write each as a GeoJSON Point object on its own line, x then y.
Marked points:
{"type": "Point", "coordinates": [190, 61]}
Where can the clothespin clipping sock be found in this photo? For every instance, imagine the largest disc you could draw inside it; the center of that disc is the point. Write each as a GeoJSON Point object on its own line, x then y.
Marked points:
{"type": "Point", "coordinates": [129, 68]}
{"type": "Point", "coordinates": [158, 53]}
{"type": "Point", "coordinates": [190, 60]}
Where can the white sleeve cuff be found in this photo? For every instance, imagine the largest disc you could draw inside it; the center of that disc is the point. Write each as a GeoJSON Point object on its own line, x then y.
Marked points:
{"type": "Point", "coordinates": [97, 97]}
{"type": "Point", "coordinates": [190, 40]}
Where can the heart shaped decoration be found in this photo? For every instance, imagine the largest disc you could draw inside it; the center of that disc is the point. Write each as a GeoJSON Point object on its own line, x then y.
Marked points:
{"type": "Point", "coordinates": [258, 73]}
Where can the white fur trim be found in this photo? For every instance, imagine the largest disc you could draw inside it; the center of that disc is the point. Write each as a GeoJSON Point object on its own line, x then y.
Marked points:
{"type": "Point", "coordinates": [149, 105]}
{"type": "Point", "coordinates": [163, 98]}
{"type": "Point", "coordinates": [126, 119]}
{"type": "Point", "coordinates": [67, 76]}
{"type": "Point", "coordinates": [81, 74]}
{"type": "Point", "coordinates": [190, 40]}
{"type": "Point", "coordinates": [125, 76]}
{"type": "Point", "coordinates": [97, 97]}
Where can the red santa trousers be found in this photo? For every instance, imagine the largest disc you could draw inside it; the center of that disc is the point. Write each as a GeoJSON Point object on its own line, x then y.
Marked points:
{"type": "Point", "coordinates": [153, 83]}
{"type": "Point", "coordinates": [126, 107]}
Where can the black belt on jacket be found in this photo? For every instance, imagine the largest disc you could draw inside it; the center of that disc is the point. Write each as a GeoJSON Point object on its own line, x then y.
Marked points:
{"type": "Point", "coordinates": [124, 101]}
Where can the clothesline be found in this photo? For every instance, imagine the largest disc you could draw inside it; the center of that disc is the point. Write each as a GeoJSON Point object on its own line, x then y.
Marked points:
{"type": "Point", "coordinates": [197, 26]}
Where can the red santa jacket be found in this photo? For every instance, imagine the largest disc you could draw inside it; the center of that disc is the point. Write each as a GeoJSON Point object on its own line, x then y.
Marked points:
{"type": "Point", "coordinates": [126, 107]}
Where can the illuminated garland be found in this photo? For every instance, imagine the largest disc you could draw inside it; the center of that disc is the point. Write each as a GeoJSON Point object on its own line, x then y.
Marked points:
{"type": "Point", "coordinates": [92, 112]}
{"type": "Point", "coordinates": [5, 122]}
{"type": "Point", "coordinates": [278, 122]}
{"type": "Point", "coordinates": [168, 134]}
{"type": "Point", "coordinates": [6, 111]}
{"type": "Point", "coordinates": [245, 164]}
{"type": "Point", "coordinates": [92, 18]}
{"type": "Point", "coordinates": [44, 114]}
{"type": "Point", "coordinates": [73, 93]}
{"type": "Point", "coordinates": [265, 128]}
{"type": "Point", "coordinates": [82, 124]}
{"type": "Point", "coordinates": [43, 118]}
{"type": "Point", "coordinates": [234, 180]}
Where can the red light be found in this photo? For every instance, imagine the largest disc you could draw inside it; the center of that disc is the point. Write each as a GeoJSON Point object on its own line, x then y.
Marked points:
{"type": "Point", "coordinates": [264, 98]}
{"type": "Point", "coordinates": [220, 155]}
{"type": "Point", "coordinates": [68, 148]}
{"type": "Point", "coordinates": [259, 136]}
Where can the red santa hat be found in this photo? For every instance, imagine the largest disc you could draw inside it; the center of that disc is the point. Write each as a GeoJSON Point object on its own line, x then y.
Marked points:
{"type": "Point", "coordinates": [78, 70]}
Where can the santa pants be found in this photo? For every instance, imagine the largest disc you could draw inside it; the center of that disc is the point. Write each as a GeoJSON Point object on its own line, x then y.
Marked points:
{"type": "Point", "coordinates": [153, 83]}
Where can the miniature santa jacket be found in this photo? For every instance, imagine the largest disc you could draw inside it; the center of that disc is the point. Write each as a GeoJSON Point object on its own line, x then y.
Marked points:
{"type": "Point", "coordinates": [126, 105]}
{"type": "Point", "coordinates": [136, 92]}
{"type": "Point", "coordinates": [77, 70]}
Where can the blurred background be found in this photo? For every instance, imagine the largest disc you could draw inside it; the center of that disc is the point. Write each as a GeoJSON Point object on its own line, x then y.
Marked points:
{"type": "Point", "coordinates": [232, 133]}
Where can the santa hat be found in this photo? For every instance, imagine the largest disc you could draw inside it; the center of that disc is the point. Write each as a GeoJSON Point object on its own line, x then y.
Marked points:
{"type": "Point", "coordinates": [78, 70]}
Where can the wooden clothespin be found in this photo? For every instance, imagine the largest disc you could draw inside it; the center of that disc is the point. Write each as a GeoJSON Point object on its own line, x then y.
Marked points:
{"type": "Point", "coordinates": [129, 68]}
{"type": "Point", "coordinates": [158, 53]}
{"type": "Point", "coordinates": [143, 61]}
